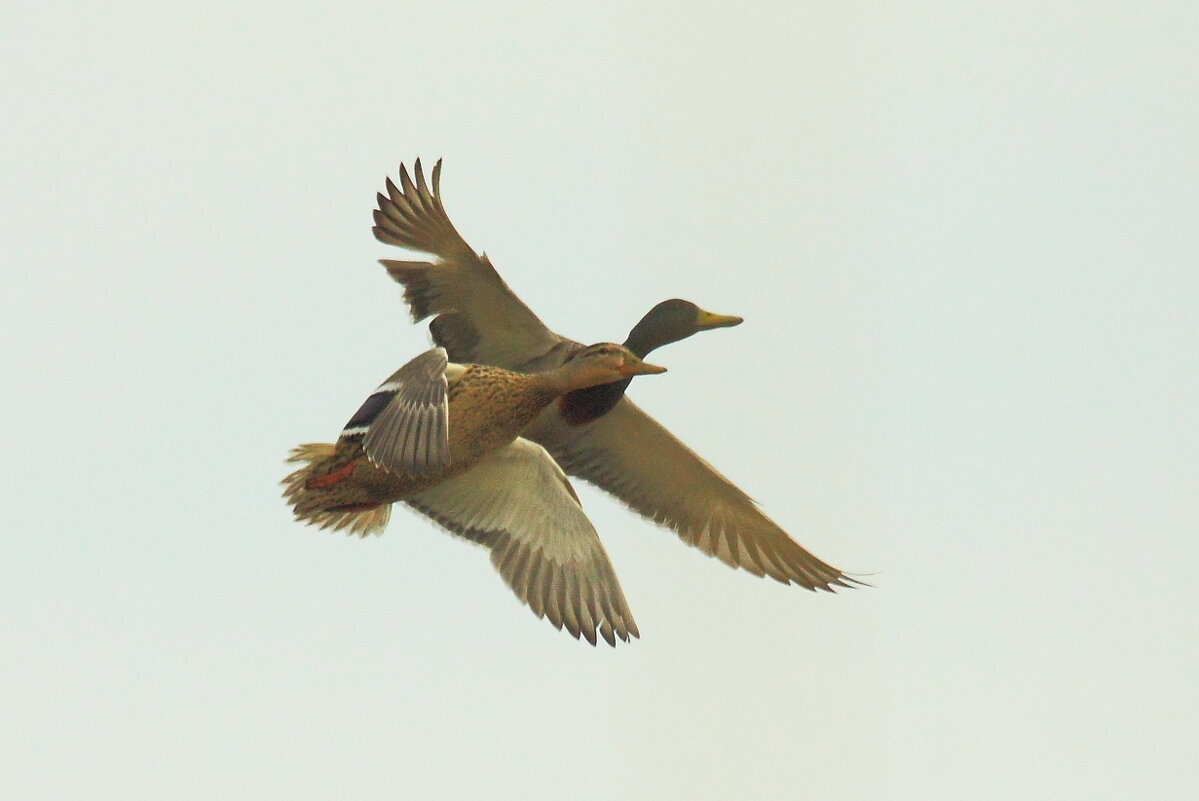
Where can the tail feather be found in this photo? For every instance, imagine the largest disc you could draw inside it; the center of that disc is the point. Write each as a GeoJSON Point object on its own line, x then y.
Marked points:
{"type": "Point", "coordinates": [310, 504]}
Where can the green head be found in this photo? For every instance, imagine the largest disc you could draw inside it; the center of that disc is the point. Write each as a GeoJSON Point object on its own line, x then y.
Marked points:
{"type": "Point", "coordinates": [672, 320]}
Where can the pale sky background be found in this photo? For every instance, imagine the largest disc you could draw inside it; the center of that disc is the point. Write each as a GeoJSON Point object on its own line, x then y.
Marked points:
{"type": "Point", "coordinates": [963, 237]}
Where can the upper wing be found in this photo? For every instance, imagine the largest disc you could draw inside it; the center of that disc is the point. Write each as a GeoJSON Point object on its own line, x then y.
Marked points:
{"type": "Point", "coordinates": [518, 502]}
{"type": "Point", "coordinates": [629, 454]}
{"type": "Point", "coordinates": [480, 319]}
{"type": "Point", "coordinates": [404, 424]}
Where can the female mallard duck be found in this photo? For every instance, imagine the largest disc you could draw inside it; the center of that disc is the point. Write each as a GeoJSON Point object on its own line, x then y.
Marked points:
{"type": "Point", "coordinates": [444, 439]}
{"type": "Point", "coordinates": [597, 434]}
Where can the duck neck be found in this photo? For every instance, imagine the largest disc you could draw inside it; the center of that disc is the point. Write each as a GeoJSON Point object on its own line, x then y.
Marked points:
{"type": "Point", "coordinates": [555, 382]}
{"type": "Point", "coordinates": [646, 337]}
{"type": "Point", "coordinates": [571, 376]}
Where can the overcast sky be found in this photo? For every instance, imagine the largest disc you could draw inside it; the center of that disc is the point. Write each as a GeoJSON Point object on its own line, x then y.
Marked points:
{"type": "Point", "coordinates": [963, 240]}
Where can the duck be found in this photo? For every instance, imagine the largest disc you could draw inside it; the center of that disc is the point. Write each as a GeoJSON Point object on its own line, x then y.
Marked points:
{"type": "Point", "coordinates": [444, 438]}
{"type": "Point", "coordinates": [597, 433]}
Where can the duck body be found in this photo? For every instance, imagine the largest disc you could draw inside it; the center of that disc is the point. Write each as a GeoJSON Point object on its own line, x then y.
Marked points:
{"type": "Point", "coordinates": [396, 445]}
{"type": "Point", "coordinates": [488, 407]}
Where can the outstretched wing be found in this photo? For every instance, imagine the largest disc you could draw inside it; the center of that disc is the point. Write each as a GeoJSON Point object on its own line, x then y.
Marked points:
{"type": "Point", "coordinates": [518, 503]}
{"type": "Point", "coordinates": [404, 424]}
{"type": "Point", "coordinates": [627, 453]}
{"type": "Point", "coordinates": [479, 319]}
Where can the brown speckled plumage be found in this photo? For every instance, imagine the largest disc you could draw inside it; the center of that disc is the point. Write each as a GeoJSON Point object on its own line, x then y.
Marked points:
{"type": "Point", "coordinates": [488, 407]}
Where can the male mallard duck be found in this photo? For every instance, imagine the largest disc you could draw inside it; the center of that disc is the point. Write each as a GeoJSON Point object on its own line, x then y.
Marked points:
{"type": "Point", "coordinates": [597, 434]}
{"type": "Point", "coordinates": [444, 438]}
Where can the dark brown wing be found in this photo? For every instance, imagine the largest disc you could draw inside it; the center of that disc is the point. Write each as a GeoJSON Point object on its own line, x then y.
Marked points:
{"type": "Point", "coordinates": [627, 453]}
{"type": "Point", "coordinates": [479, 319]}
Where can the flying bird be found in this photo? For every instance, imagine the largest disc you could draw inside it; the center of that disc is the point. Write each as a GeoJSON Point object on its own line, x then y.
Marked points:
{"type": "Point", "coordinates": [595, 433]}
{"type": "Point", "coordinates": [443, 438]}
